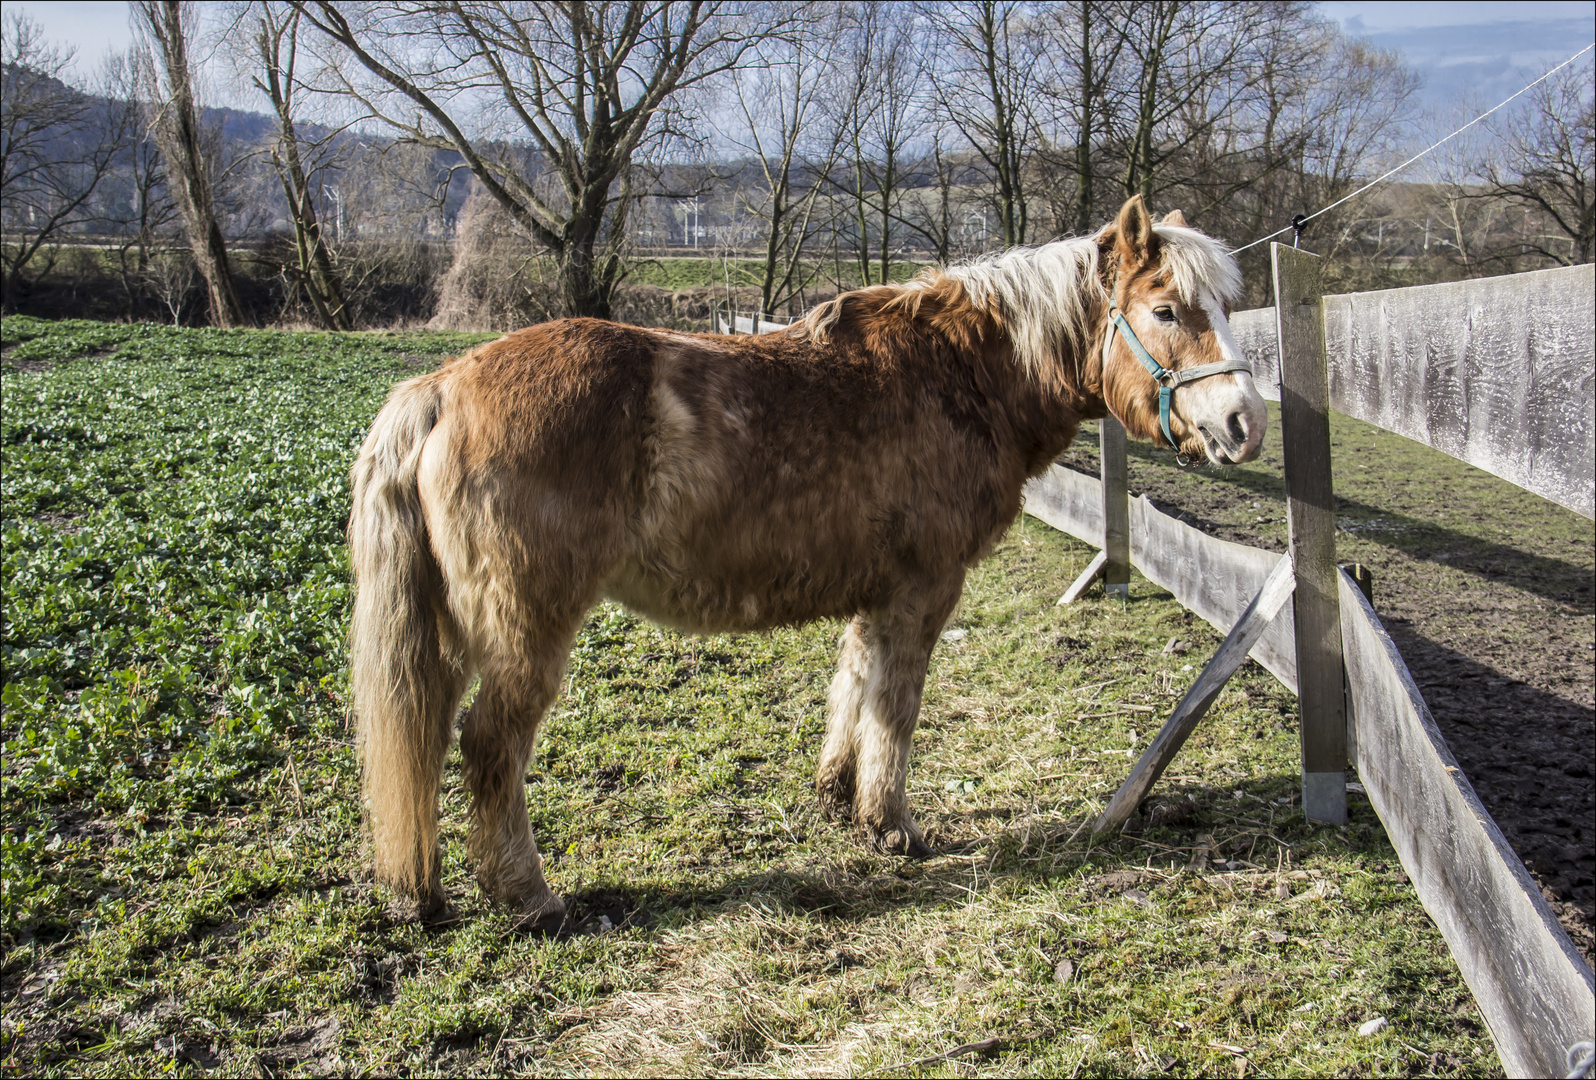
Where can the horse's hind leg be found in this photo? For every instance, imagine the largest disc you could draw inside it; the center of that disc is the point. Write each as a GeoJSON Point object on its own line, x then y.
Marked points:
{"type": "Point", "coordinates": [899, 645]}
{"type": "Point", "coordinates": [496, 741]}
{"type": "Point", "coordinates": [837, 774]}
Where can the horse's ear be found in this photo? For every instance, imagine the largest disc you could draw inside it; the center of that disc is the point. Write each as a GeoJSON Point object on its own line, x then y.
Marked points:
{"type": "Point", "coordinates": [1133, 233]}
{"type": "Point", "coordinates": [1174, 217]}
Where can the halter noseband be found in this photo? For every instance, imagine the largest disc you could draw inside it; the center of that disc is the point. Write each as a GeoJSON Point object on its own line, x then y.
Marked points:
{"type": "Point", "coordinates": [1166, 378]}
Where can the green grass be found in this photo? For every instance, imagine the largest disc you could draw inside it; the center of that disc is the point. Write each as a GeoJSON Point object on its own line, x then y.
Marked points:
{"type": "Point", "coordinates": [708, 271]}
{"type": "Point", "coordinates": [185, 889]}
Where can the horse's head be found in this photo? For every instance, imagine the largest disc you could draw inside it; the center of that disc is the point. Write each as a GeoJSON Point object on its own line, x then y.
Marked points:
{"type": "Point", "coordinates": [1172, 372]}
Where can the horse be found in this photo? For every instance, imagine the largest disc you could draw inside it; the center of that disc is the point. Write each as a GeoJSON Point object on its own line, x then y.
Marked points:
{"type": "Point", "coordinates": [852, 466]}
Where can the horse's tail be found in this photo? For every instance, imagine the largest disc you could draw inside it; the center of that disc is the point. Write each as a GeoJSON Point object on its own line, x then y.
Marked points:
{"type": "Point", "coordinates": [403, 686]}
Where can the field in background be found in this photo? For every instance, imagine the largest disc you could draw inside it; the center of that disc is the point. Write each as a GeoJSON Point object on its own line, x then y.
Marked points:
{"type": "Point", "coordinates": [184, 887]}
{"type": "Point", "coordinates": [709, 271]}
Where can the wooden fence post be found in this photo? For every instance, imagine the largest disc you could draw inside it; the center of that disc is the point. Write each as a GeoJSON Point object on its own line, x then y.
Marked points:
{"type": "Point", "coordinates": [1311, 513]}
{"type": "Point", "coordinates": [1116, 509]}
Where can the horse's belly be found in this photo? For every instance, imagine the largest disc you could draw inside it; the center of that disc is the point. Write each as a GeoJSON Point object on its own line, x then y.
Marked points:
{"type": "Point", "coordinates": [706, 596]}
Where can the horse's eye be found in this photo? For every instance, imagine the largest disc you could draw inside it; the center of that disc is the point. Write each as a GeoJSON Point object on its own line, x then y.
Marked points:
{"type": "Point", "coordinates": [1164, 314]}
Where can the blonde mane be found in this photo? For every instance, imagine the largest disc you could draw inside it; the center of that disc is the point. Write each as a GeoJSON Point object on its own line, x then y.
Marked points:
{"type": "Point", "coordinates": [1050, 298]}
{"type": "Point", "coordinates": [1046, 297]}
{"type": "Point", "coordinates": [1197, 261]}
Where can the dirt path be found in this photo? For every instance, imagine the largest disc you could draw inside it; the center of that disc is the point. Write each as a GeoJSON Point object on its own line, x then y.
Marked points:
{"type": "Point", "coordinates": [1487, 591]}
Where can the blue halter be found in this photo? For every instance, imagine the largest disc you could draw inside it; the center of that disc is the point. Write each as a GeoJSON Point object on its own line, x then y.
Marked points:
{"type": "Point", "coordinates": [1166, 378]}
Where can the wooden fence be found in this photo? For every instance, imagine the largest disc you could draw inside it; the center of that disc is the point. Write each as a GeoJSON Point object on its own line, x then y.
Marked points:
{"type": "Point", "coordinates": [1214, 578]}
{"type": "Point", "coordinates": [1499, 374]}
{"type": "Point", "coordinates": [731, 321]}
{"type": "Point", "coordinates": [1496, 372]}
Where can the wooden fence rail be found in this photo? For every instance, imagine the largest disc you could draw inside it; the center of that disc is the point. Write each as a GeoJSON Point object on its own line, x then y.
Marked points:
{"type": "Point", "coordinates": [1534, 990]}
{"type": "Point", "coordinates": [1214, 578]}
{"type": "Point", "coordinates": [1497, 372]}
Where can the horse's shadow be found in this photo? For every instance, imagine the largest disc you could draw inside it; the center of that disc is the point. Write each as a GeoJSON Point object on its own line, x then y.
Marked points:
{"type": "Point", "coordinates": [1173, 826]}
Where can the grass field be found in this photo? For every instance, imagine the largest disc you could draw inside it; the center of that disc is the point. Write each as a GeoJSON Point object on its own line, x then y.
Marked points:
{"type": "Point", "coordinates": [184, 885]}
{"type": "Point", "coordinates": [708, 271]}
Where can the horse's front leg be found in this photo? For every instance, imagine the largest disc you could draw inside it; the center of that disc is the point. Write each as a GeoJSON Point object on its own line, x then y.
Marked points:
{"type": "Point", "coordinates": [838, 757]}
{"type": "Point", "coordinates": [898, 648]}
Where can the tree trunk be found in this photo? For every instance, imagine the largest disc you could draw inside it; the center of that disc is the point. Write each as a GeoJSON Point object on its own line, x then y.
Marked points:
{"type": "Point", "coordinates": [584, 293]}
{"type": "Point", "coordinates": [888, 183]}
{"type": "Point", "coordinates": [177, 132]}
{"type": "Point", "coordinates": [1083, 135]}
{"type": "Point", "coordinates": [944, 230]}
{"type": "Point", "coordinates": [316, 274]}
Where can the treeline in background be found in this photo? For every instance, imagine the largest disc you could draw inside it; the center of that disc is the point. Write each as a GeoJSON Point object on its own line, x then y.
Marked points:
{"type": "Point", "coordinates": [488, 165]}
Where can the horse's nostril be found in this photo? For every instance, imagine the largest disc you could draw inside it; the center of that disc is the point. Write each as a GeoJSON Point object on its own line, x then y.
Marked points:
{"type": "Point", "coordinates": [1238, 429]}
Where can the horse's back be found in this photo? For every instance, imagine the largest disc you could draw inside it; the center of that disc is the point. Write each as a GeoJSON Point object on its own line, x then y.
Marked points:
{"type": "Point", "coordinates": [710, 482]}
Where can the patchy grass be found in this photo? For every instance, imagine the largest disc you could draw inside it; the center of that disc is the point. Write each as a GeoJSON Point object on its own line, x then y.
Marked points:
{"type": "Point", "coordinates": [184, 882]}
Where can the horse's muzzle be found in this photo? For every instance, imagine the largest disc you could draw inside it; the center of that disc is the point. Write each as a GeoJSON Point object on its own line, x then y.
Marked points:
{"type": "Point", "coordinates": [1238, 439]}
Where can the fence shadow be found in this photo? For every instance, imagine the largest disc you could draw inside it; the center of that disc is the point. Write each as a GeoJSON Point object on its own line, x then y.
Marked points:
{"type": "Point", "coordinates": [979, 857]}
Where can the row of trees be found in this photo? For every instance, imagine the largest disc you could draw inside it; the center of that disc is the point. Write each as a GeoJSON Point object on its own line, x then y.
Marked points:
{"type": "Point", "coordinates": [826, 141]}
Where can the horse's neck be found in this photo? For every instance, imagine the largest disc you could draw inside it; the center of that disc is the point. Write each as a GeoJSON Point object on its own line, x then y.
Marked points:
{"type": "Point", "coordinates": [1045, 406]}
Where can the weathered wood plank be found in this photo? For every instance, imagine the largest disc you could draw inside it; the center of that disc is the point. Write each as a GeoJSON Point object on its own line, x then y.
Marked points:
{"type": "Point", "coordinates": [1070, 501]}
{"type": "Point", "coordinates": [1498, 372]}
{"type": "Point", "coordinates": [746, 324]}
{"type": "Point", "coordinates": [1078, 587]}
{"type": "Point", "coordinates": [1214, 578]}
{"type": "Point", "coordinates": [1194, 704]}
{"type": "Point", "coordinates": [1256, 335]}
{"type": "Point", "coordinates": [1116, 508]}
{"type": "Point", "coordinates": [1536, 994]}
{"type": "Point", "coordinates": [1311, 513]}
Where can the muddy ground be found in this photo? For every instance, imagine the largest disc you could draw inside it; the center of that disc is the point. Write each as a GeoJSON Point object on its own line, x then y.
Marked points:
{"type": "Point", "coordinates": [1487, 591]}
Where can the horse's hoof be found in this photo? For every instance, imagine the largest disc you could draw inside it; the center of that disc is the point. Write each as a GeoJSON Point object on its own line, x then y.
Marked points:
{"type": "Point", "coordinates": [834, 807]}
{"type": "Point", "coordinates": [540, 918]}
{"type": "Point", "coordinates": [906, 842]}
{"type": "Point", "coordinates": [433, 910]}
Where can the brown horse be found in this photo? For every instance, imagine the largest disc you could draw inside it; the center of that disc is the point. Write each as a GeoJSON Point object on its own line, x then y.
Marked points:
{"type": "Point", "coordinates": [852, 466]}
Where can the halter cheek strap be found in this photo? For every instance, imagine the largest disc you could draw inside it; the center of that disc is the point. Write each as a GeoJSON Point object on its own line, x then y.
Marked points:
{"type": "Point", "coordinates": [1166, 378]}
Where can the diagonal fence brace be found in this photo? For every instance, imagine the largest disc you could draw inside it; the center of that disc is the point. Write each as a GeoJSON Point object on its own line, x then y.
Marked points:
{"type": "Point", "coordinates": [1093, 571]}
{"type": "Point", "coordinates": [1277, 589]}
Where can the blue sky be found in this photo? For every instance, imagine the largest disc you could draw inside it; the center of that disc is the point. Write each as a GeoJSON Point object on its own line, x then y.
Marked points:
{"type": "Point", "coordinates": [1470, 54]}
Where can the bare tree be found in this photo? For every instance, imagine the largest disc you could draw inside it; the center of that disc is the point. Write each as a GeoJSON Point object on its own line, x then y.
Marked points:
{"type": "Point", "coordinates": [1185, 62]}
{"type": "Point", "coordinates": [882, 113]}
{"type": "Point", "coordinates": [1551, 167]}
{"type": "Point", "coordinates": [1073, 100]}
{"type": "Point", "coordinates": [166, 27]}
{"type": "Point", "coordinates": [298, 159]}
{"type": "Point", "coordinates": [777, 99]}
{"type": "Point", "coordinates": [986, 73]}
{"type": "Point", "coordinates": [1346, 117]}
{"type": "Point", "coordinates": [138, 210]}
{"type": "Point", "coordinates": [57, 146]}
{"type": "Point", "coordinates": [1271, 111]}
{"type": "Point", "coordinates": [588, 84]}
